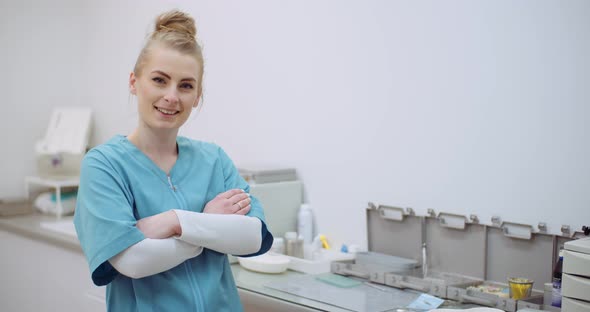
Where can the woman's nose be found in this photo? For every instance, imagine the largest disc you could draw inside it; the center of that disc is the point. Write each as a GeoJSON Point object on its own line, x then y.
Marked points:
{"type": "Point", "coordinates": [171, 96]}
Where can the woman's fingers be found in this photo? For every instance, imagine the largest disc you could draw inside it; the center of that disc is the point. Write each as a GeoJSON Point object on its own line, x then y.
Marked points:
{"type": "Point", "coordinates": [229, 202]}
{"type": "Point", "coordinates": [229, 194]}
{"type": "Point", "coordinates": [239, 198]}
{"type": "Point", "coordinates": [244, 210]}
{"type": "Point", "coordinates": [243, 203]}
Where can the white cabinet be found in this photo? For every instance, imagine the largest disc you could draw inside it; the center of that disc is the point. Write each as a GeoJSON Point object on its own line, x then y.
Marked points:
{"type": "Point", "coordinates": [40, 276]}
{"type": "Point", "coordinates": [575, 285]}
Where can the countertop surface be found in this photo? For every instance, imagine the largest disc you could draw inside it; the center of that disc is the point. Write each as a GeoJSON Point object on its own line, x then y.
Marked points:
{"type": "Point", "coordinates": [38, 226]}
{"type": "Point", "coordinates": [59, 231]}
{"type": "Point", "coordinates": [30, 225]}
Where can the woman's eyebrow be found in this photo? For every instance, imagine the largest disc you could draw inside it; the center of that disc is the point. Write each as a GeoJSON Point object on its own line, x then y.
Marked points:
{"type": "Point", "coordinates": [168, 76]}
{"type": "Point", "coordinates": [161, 73]}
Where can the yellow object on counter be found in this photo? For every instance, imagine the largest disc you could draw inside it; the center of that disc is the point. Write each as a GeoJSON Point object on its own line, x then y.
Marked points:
{"type": "Point", "coordinates": [520, 288]}
{"type": "Point", "coordinates": [324, 242]}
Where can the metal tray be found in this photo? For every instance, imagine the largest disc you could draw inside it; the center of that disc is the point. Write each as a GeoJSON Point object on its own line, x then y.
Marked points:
{"type": "Point", "coordinates": [435, 283]}
{"type": "Point", "coordinates": [481, 254]}
{"type": "Point", "coordinates": [373, 266]}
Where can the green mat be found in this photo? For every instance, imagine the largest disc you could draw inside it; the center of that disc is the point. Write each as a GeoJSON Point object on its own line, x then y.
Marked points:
{"type": "Point", "coordinates": [337, 280]}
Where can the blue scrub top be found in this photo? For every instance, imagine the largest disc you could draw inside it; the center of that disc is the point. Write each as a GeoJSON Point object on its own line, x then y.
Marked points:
{"type": "Point", "coordinates": [119, 185]}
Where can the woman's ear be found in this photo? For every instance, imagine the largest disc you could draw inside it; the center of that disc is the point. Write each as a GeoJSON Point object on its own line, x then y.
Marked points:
{"type": "Point", "coordinates": [197, 101]}
{"type": "Point", "coordinates": [132, 80]}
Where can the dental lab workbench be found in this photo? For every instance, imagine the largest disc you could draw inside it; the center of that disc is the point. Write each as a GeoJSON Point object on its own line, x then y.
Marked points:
{"type": "Point", "coordinates": [42, 259]}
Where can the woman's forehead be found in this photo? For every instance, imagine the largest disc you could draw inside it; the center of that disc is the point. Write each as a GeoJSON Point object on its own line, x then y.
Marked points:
{"type": "Point", "coordinates": [172, 62]}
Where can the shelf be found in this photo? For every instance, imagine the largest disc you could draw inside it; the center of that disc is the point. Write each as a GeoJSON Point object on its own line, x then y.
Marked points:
{"type": "Point", "coordinates": [57, 184]}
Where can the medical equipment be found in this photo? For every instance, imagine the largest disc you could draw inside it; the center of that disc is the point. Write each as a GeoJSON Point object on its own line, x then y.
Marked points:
{"type": "Point", "coordinates": [281, 202]}
{"type": "Point", "coordinates": [46, 202]}
{"type": "Point", "coordinates": [466, 259]}
{"type": "Point", "coordinates": [60, 152]}
{"type": "Point", "coordinates": [57, 184]}
{"type": "Point", "coordinates": [280, 199]}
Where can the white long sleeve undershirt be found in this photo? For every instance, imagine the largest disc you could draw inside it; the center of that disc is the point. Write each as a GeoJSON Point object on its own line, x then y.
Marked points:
{"type": "Point", "coordinates": [231, 234]}
{"type": "Point", "coordinates": [153, 256]}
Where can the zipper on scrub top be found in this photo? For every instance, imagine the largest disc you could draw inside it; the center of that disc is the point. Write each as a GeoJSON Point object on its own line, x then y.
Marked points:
{"type": "Point", "coordinates": [171, 185]}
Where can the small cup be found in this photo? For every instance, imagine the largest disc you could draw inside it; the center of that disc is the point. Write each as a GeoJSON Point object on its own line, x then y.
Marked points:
{"type": "Point", "coordinates": [520, 288]}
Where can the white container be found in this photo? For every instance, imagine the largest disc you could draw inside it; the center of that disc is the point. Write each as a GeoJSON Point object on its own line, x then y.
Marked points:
{"type": "Point", "coordinates": [59, 154]}
{"type": "Point", "coordinates": [278, 245]}
{"type": "Point", "coordinates": [305, 223]}
{"type": "Point", "coordinates": [319, 265]}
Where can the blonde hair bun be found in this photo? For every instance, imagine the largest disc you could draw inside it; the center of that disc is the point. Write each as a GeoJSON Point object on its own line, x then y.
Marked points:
{"type": "Point", "coordinates": [176, 30]}
{"type": "Point", "coordinates": [176, 21]}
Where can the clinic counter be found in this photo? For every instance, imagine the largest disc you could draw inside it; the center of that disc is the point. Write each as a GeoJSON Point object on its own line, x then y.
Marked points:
{"type": "Point", "coordinates": [60, 233]}
{"type": "Point", "coordinates": [29, 225]}
{"type": "Point", "coordinates": [250, 284]}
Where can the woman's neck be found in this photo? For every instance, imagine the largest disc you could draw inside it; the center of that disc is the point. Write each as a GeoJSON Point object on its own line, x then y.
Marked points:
{"type": "Point", "coordinates": [159, 146]}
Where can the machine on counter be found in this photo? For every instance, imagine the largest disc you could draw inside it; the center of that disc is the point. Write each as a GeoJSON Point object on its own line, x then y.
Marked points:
{"type": "Point", "coordinates": [59, 157]}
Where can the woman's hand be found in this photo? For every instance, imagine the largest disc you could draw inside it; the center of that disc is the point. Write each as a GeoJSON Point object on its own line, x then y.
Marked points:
{"type": "Point", "coordinates": [234, 201]}
{"type": "Point", "coordinates": [160, 226]}
{"type": "Point", "coordinates": [166, 224]}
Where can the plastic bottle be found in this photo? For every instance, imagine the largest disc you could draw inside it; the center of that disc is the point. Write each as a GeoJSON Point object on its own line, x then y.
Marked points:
{"type": "Point", "coordinates": [290, 238]}
{"type": "Point", "coordinates": [305, 223]}
{"type": "Point", "coordinates": [278, 245]}
{"type": "Point", "coordinates": [298, 250]}
{"type": "Point", "coordinates": [556, 281]}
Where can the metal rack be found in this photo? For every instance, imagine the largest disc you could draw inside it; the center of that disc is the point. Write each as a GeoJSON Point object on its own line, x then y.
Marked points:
{"type": "Point", "coordinates": [57, 184]}
{"type": "Point", "coordinates": [457, 253]}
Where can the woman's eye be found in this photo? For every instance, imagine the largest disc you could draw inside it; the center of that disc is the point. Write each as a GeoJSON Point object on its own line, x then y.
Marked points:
{"type": "Point", "coordinates": [158, 80]}
{"type": "Point", "coordinates": [186, 86]}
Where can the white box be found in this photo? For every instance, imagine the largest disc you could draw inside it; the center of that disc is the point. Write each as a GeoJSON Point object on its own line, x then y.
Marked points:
{"type": "Point", "coordinates": [318, 266]}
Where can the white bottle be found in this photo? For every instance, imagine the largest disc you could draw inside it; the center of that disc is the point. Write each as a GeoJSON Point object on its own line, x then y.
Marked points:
{"type": "Point", "coordinates": [278, 245]}
{"type": "Point", "coordinates": [305, 223]}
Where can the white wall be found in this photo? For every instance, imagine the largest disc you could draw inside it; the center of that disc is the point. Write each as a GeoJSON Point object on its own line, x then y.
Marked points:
{"type": "Point", "coordinates": [41, 52]}
{"type": "Point", "coordinates": [460, 106]}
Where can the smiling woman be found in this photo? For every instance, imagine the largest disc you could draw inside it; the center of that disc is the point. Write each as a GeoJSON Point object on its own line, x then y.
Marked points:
{"type": "Point", "coordinates": [168, 74]}
{"type": "Point", "coordinates": [156, 212]}
{"type": "Point", "coordinates": [167, 87]}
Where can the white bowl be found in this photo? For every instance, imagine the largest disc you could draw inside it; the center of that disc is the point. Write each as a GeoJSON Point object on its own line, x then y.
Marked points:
{"type": "Point", "coordinates": [266, 263]}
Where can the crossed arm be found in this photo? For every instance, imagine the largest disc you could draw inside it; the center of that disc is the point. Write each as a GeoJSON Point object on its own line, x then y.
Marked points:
{"type": "Point", "coordinates": [175, 236]}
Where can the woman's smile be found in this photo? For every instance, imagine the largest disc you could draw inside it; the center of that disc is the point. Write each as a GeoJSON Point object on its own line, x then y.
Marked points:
{"type": "Point", "coordinates": [166, 112]}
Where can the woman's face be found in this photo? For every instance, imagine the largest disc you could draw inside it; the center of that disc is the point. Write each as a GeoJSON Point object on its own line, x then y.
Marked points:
{"type": "Point", "coordinates": [166, 88]}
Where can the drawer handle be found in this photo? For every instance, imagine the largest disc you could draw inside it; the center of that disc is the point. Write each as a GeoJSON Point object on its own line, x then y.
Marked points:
{"type": "Point", "coordinates": [414, 286]}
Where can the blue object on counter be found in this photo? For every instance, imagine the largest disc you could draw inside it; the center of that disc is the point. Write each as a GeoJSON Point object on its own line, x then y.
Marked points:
{"type": "Point", "coordinates": [337, 280]}
{"type": "Point", "coordinates": [426, 302]}
{"type": "Point", "coordinates": [64, 195]}
{"type": "Point", "coordinates": [344, 248]}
